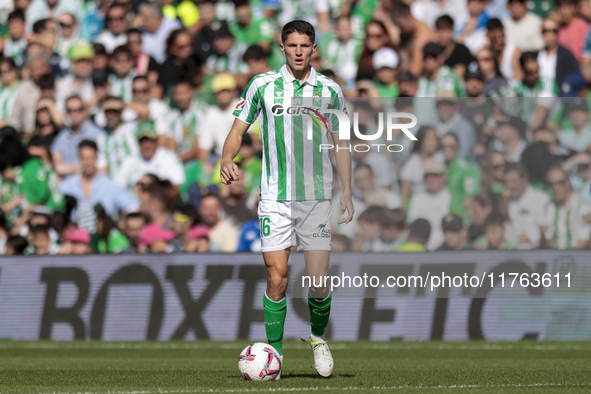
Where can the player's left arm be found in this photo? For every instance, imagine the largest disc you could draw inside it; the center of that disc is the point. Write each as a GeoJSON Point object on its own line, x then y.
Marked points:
{"type": "Point", "coordinates": [343, 160]}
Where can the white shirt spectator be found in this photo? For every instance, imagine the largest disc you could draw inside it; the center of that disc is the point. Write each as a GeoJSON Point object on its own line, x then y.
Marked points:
{"type": "Point", "coordinates": [433, 208]}
{"type": "Point", "coordinates": [110, 40]}
{"type": "Point", "coordinates": [526, 216]}
{"type": "Point", "coordinates": [154, 44]}
{"type": "Point", "coordinates": [65, 88]}
{"type": "Point", "coordinates": [164, 164]}
{"type": "Point", "coordinates": [566, 226]}
{"type": "Point", "coordinates": [217, 123]}
{"type": "Point", "coordinates": [413, 171]}
{"type": "Point", "coordinates": [428, 11]}
{"type": "Point", "coordinates": [117, 146]}
{"type": "Point", "coordinates": [526, 33]}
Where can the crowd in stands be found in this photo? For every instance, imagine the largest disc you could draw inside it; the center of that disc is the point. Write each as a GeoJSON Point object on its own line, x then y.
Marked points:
{"type": "Point", "coordinates": [113, 116]}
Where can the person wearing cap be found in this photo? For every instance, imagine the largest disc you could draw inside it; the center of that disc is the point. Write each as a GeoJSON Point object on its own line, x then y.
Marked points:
{"type": "Point", "coordinates": [450, 120]}
{"type": "Point", "coordinates": [456, 55]}
{"type": "Point", "coordinates": [577, 137]}
{"type": "Point", "coordinates": [153, 159]}
{"type": "Point", "coordinates": [511, 138]}
{"type": "Point", "coordinates": [385, 62]}
{"type": "Point", "coordinates": [118, 142]}
{"type": "Point", "coordinates": [198, 240]}
{"type": "Point", "coordinates": [227, 55]}
{"type": "Point", "coordinates": [156, 30]}
{"type": "Point", "coordinates": [474, 81]}
{"type": "Point", "coordinates": [154, 238]}
{"type": "Point", "coordinates": [91, 187]}
{"type": "Point", "coordinates": [455, 234]}
{"type": "Point", "coordinates": [79, 82]}
{"type": "Point", "coordinates": [433, 203]}
{"type": "Point", "coordinates": [437, 76]}
{"type": "Point", "coordinates": [341, 51]}
{"type": "Point", "coordinates": [218, 119]}
{"type": "Point", "coordinates": [78, 241]}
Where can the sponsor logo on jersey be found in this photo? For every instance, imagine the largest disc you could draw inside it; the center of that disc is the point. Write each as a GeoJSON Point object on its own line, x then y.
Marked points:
{"type": "Point", "coordinates": [240, 104]}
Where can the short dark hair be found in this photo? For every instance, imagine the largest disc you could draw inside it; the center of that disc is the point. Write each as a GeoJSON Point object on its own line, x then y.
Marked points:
{"type": "Point", "coordinates": [298, 26]}
{"type": "Point", "coordinates": [394, 218]}
{"type": "Point", "coordinates": [10, 61]}
{"type": "Point", "coordinates": [527, 57]}
{"type": "Point", "coordinates": [121, 49]}
{"type": "Point", "coordinates": [421, 229]}
{"type": "Point", "coordinates": [18, 243]}
{"type": "Point", "coordinates": [444, 22]}
{"type": "Point", "coordinates": [40, 25]}
{"type": "Point", "coordinates": [399, 8]}
{"type": "Point", "coordinates": [40, 228]}
{"type": "Point", "coordinates": [372, 214]}
{"type": "Point", "coordinates": [182, 80]}
{"type": "Point", "coordinates": [139, 78]}
{"type": "Point", "coordinates": [46, 81]}
{"type": "Point", "coordinates": [515, 167]}
{"type": "Point", "coordinates": [494, 219]}
{"type": "Point", "coordinates": [494, 23]}
{"type": "Point", "coordinates": [407, 76]}
{"type": "Point", "coordinates": [16, 14]}
{"type": "Point", "coordinates": [135, 215]}
{"type": "Point", "coordinates": [100, 49]}
{"type": "Point", "coordinates": [254, 52]}
{"type": "Point", "coordinates": [133, 30]}
{"type": "Point", "coordinates": [558, 3]}
{"type": "Point", "coordinates": [74, 97]}
{"type": "Point", "coordinates": [240, 3]}
{"type": "Point", "coordinates": [88, 144]}
{"type": "Point", "coordinates": [190, 211]}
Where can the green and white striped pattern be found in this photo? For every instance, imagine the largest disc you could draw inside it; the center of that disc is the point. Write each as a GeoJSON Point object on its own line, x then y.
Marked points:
{"type": "Point", "coordinates": [122, 87]}
{"type": "Point", "coordinates": [7, 96]}
{"type": "Point", "coordinates": [117, 146]}
{"type": "Point", "coordinates": [294, 168]}
{"type": "Point", "coordinates": [184, 126]}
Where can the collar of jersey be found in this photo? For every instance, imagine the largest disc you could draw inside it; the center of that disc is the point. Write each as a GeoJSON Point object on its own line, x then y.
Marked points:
{"type": "Point", "coordinates": [290, 78]}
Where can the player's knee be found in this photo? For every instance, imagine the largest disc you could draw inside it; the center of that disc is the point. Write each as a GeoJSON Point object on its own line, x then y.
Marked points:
{"type": "Point", "coordinates": [277, 284]}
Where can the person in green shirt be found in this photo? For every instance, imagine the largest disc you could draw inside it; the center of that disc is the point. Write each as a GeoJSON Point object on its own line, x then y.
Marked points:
{"type": "Point", "coordinates": [463, 179]}
{"type": "Point", "coordinates": [35, 181]}
{"type": "Point", "coordinates": [385, 62]}
{"type": "Point", "coordinates": [108, 238]}
{"type": "Point", "coordinates": [419, 233]}
{"type": "Point", "coordinates": [251, 30]}
{"type": "Point", "coordinates": [340, 50]}
{"type": "Point", "coordinates": [494, 230]}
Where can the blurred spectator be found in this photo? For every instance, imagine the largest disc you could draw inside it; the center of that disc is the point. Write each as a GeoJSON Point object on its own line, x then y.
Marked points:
{"type": "Point", "coordinates": [385, 63]}
{"type": "Point", "coordinates": [249, 29]}
{"type": "Point", "coordinates": [154, 238]}
{"type": "Point", "coordinates": [198, 240]}
{"type": "Point", "coordinates": [385, 178]}
{"type": "Point", "coordinates": [573, 29]}
{"type": "Point", "coordinates": [463, 177]}
{"type": "Point", "coordinates": [342, 51]}
{"type": "Point", "coordinates": [143, 62]}
{"type": "Point", "coordinates": [369, 230]}
{"type": "Point", "coordinates": [134, 223]}
{"type": "Point", "coordinates": [407, 84]}
{"type": "Point", "coordinates": [455, 235]}
{"type": "Point", "coordinates": [250, 163]}
{"type": "Point", "coordinates": [16, 245]}
{"type": "Point", "coordinates": [556, 62]}
{"type": "Point", "coordinates": [437, 77]}
{"type": "Point", "coordinates": [432, 204]}
{"type": "Point", "coordinates": [152, 160]}
{"type": "Point", "coordinates": [493, 172]}
{"type": "Point", "coordinates": [376, 37]}
{"type": "Point", "coordinates": [473, 32]}
{"type": "Point", "coordinates": [451, 121]}
{"type": "Point", "coordinates": [365, 184]}
{"type": "Point", "coordinates": [100, 62]}
{"type": "Point", "coordinates": [144, 106]}
{"type": "Point", "coordinates": [577, 137]}
{"type": "Point", "coordinates": [429, 11]}
{"type": "Point", "coordinates": [79, 82]}
{"type": "Point", "coordinates": [488, 64]}
{"type": "Point", "coordinates": [114, 35]}
{"type": "Point", "coordinates": [340, 243]}
{"type": "Point", "coordinates": [227, 53]}
{"type": "Point", "coordinates": [203, 40]}
{"type": "Point", "coordinates": [49, 9]}
{"type": "Point", "coordinates": [78, 241]}
{"type": "Point", "coordinates": [16, 43]}
{"type": "Point", "coordinates": [507, 51]}
{"type": "Point", "coordinates": [183, 219]}
{"type": "Point", "coordinates": [160, 204]}
{"type": "Point", "coordinates": [494, 230]}
{"type": "Point", "coordinates": [222, 232]}
{"type": "Point", "coordinates": [418, 235]}
{"type": "Point", "coordinates": [523, 27]}
{"type": "Point", "coordinates": [511, 138]}
{"type": "Point", "coordinates": [235, 201]}
{"type": "Point", "coordinates": [41, 244]}
{"type": "Point", "coordinates": [525, 208]}
{"type": "Point", "coordinates": [181, 62]}
{"type": "Point", "coordinates": [393, 227]}
{"type": "Point", "coordinates": [412, 175]}
{"type": "Point", "coordinates": [9, 86]}
{"type": "Point", "coordinates": [184, 121]}
{"type": "Point", "coordinates": [48, 122]}
{"type": "Point", "coordinates": [108, 238]}
{"type": "Point", "coordinates": [481, 207]}
{"type": "Point", "coordinates": [456, 55]}
{"type": "Point", "coordinates": [64, 148]}
{"type": "Point", "coordinates": [22, 117]}
{"type": "Point", "coordinates": [257, 61]}
{"type": "Point", "coordinates": [156, 30]}
{"type": "Point", "coordinates": [121, 79]}
{"type": "Point", "coordinates": [92, 187]}
{"type": "Point", "coordinates": [69, 35]}
{"type": "Point", "coordinates": [119, 142]}
{"type": "Point", "coordinates": [566, 217]}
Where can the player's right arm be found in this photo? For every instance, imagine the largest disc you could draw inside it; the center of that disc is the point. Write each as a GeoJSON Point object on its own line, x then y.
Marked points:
{"type": "Point", "coordinates": [229, 169]}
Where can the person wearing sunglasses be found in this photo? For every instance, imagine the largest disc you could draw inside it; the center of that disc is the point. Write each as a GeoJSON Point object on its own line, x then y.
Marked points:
{"type": "Point", "coordinates": [523, 27]}
{"type": "Point", "coordinates": [69, 35]}
{"type": "Point", "coordinates": [115, 33]}
{"type": "Point", "coordinates": [565, 226]}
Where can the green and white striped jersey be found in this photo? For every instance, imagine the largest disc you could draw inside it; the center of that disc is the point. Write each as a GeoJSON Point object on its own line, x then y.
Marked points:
{"type": "Point", "coordinates": [7, 96]}
{"type": "Point", "coordinates": [184, 126]}
{"type": "Point", "coordinates": [122, 87]}
{"type": "Point", "coordinates": [543, 93]}
{"type": "Point", "coordinates": [117, 146]}
{"type": "Point", "coordinates": [294, 167]}
{"type": "Point", "coordinates": [566, 224]}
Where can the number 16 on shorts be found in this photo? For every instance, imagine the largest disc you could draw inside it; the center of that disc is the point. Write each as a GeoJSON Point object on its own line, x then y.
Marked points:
{"type": "Point", "coordinates": [265, 226]}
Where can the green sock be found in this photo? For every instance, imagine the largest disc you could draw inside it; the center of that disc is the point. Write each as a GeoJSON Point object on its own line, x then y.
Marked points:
{"type": "Point", "coordinates": [319, 314]}
{"type": "Point", "coordinates": [275, 312]}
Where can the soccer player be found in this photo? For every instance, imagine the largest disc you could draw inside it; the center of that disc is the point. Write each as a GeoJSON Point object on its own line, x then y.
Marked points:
{"type": "Point", "coordinates": [296, 184]}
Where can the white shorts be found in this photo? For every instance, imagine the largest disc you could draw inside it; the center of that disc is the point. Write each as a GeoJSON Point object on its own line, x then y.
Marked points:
{"type": "Point", "coordinates": [281, 221]}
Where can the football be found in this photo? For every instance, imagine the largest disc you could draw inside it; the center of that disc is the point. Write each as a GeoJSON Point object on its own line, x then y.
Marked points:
{"type": "Point", "coordinates": [259, 361]}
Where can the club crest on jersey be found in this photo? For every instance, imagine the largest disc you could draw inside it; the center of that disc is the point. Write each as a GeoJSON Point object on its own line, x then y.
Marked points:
{"type": "Point", "coordinates": [240, 104]}
{"type": "Point", "coordinates": [279, 93]}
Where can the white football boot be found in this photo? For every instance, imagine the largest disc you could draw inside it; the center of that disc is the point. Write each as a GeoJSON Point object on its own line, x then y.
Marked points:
{"type": "Point", "coordinates": [279, 374]}
{"type": "Point", "coordinates": [323, 361]}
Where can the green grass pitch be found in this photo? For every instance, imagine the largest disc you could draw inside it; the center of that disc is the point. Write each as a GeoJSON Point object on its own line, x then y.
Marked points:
{"type": "Point", "coordinates": [360, 367]}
